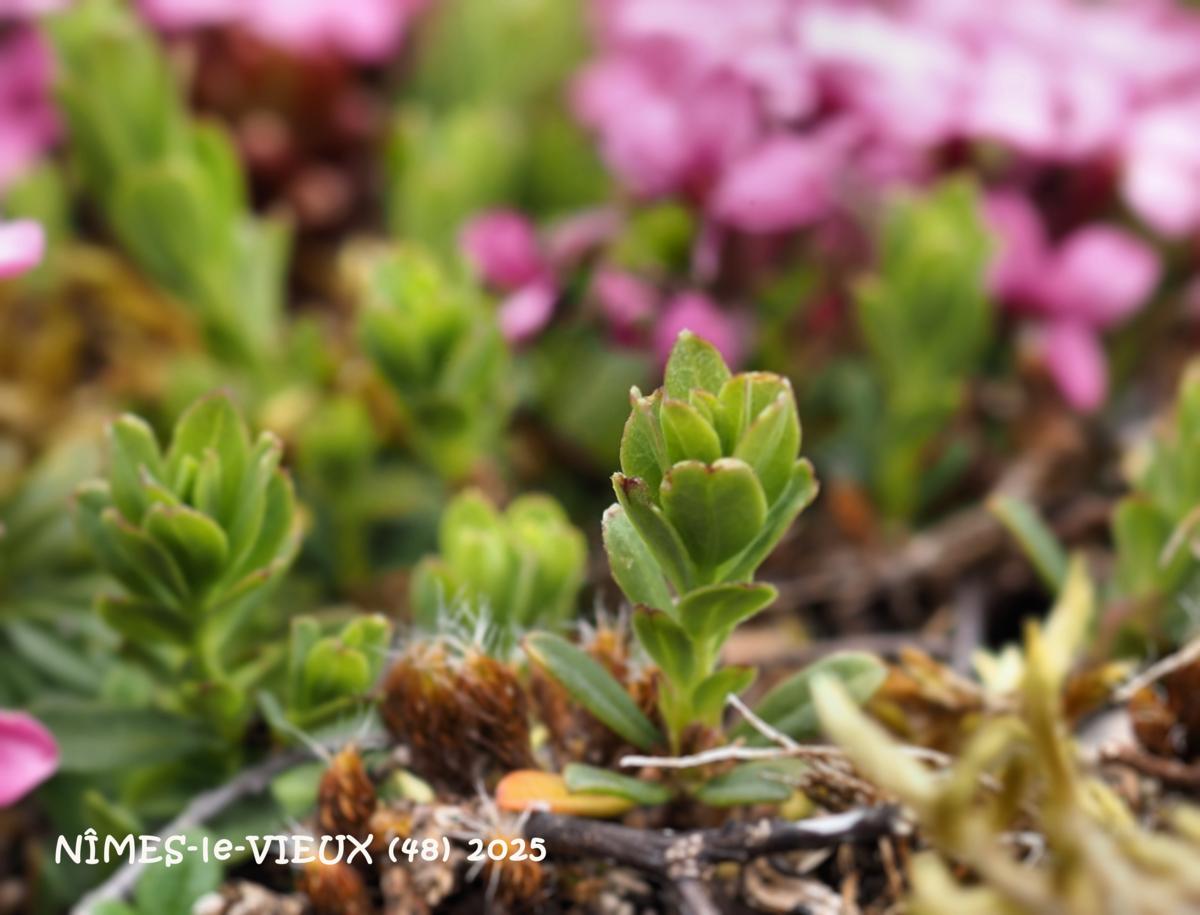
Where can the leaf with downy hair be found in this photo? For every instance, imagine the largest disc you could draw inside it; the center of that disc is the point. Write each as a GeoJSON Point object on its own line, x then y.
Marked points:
{"type": "Point", "coordinates": [708, 699]}
{"type": "Point", "coordinates": [194, 540]}
{"type": "Point", "coordinates": [770, 444]}
{"type": "Point", "coordinates": [155, 573]}
{"type": "Point", "coordinates": [132, 447]}
{"type": "Point", "coordinates": [593, 687]}
{"type": "Point", "coordinates": [144, 621]}
{"type": "Point", "coordinates": [643, 452]}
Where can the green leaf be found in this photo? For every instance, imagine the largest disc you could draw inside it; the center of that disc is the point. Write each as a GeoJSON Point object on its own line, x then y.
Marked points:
{"type": "Point", "coordinates": [96, 737]}
{"type": "Point", "coordinates": [694, 363]}
{"type": "Point", "coordinates": [789, 706]}
{"type": "Point", "coordinates": [212, 422]}
{"type": "Point", "coordinates": [593, 687]}
{"type": "Point", "coordinates": [643, 452]}
{"type": "Point", "coordinates": [771, 443]}
{"type": "Point", "coordinates": [631, 562]}
{"type": "Point", "coordinates": [660, 538]}
{"type": "Point", "coordinates": [688, 436]}
{"type": "Point", "coordinates": [132, 449]}
{"type": "Point", "coordinates": [758, 782]}
{"type": "Point", "coordinates": [708, 699]}
{"type": "Point", "coordinates": [194, 540]}
{"type": "Point", "coordinates": [151, 569]}
{"type": "Point", "coordinates": [742, 399]}
{"type": "Point", "coordinates": [715, 609]}
{"type": "Point", "coordinates": [145, 621]}
{"type": "Point", "coordinates": [666, 643]}
{"type": "Point", "coordinates": [1036, 539]}
{"type": "Point", "coordinates": [583, 779]}
{"type": "Point", "coordinates": [174, 890]}
{"type": "Point", "coordinates": [717, 509]}
{"type": "Point", "coordinates": [800, 491]}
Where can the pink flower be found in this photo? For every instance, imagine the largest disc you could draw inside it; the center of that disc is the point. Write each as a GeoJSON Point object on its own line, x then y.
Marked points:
{"type": "Point", "coordinates": [28, 755]}
{"type": "Point", "coordinates": [503, 248]}
{"type": "Point", "coordinates": [1021, 247]}
{"type": "Point", "coordinates": [366, 30]}
{"type": "Point", "coordinates": [527, 311]}
{"type": "Point", "coordinates": [22, 243]}
{"type": "Point", "coordinates": [699, 314]}
{"type": "Point", "coordinates": [1095, 278]}
{"type": "Point", "coordinates": [1075, 360]}
{"type": "Point", "coordinates": [628, 302]}
{"type": "Point", "coordinates": [784, 184]}
{"type": "Point", "coordinates": [1100, 275]}
{"type": "Point", "coordinates": [1162, 169]}
{"type": "Point", "coordinates": [28, 122]}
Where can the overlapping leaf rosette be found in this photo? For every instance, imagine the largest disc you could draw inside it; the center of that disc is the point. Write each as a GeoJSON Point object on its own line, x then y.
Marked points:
{"type": "Point", "coordinates": [710, 480]}
{"type": "Point", "coordinates": [196, 537]}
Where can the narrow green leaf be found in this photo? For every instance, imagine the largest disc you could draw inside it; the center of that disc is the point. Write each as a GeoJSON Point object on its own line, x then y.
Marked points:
{"type": "Point", "coordinates": [789, 706]}
{"type": "Point", "coordinates": [155, 573]}
{"type": "Point", "coordinates": [1036, 539]}
{"type": "Point", "coordinates": [666, 643]}
{"type": "Point", "coordinates": [687, 434]}
{"type": "Point", "coordinates": [708, 699]}
{"type": "Point", "coordinates": [643, 451]}
{"type": "Point", "coordinates": [631, 562]}
{"type": "Point", "coordinates": [194, 540]}
{"type": "Point", "coordinates": [771, 443]}
{"type": "Point", "coordinates": [593, 687]}
{"type": "Point", "coordinates": [658, 535]}
{"type": "Point", "coordinates": [145, 621]}
{"type": "Point", "coordinates": [759, 782]}
{"type": "Point", "coordinates": [97, 737]}
{"type": "Point", "coordinates": [583, 779]}
{"type": "Point", "coordinates": [132, 447]}
{"type": "Point", "coordinates": [800, 491]}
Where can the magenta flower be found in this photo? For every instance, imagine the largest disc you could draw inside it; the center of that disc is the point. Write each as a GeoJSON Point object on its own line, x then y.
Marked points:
{"type": "Point", "coordinates": [527, 311]}
{"type": "Point", "coordinates": [28, 755]}
{"type": "Point", "coordinates": [699, 314]}
{"type": "Point", "coordinates": [22, 244]}
{"type": "Point", "coordinates": [28, 122]}
{"type": "Point", "coordinates": [365, 30]}
{"type": "Point", "coordinates": [503, 248]}
{"type": "Point", "coordinates": [1092, 280]}
{"type": "Point", "coordinates": [629, 303]}
{"type": "Point", "coordinates": [781, 185]}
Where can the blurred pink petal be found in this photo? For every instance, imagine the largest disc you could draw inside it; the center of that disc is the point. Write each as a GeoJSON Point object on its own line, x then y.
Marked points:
{"type": "Point", "coordinates": [699, 314]}
{"type": "Point", "coordinates": [22, 243]}
{"type": "Point", "coordinates": [365, 30]}
{"type": "Point", "coordinates": [1100, 275]}
{"type": "Point", "coordinates": [1076, 362]}
{"type": "Point", "coordinates": [28, 755]}
{"type": "Point", "coordinates": [30, 125]}
{"type": "Point", "coordinates": [784, 184]}
{"type": "Point", "coordinates": [524, 313]}
{"type": "Point", "coordinates": [626, 301]}
{"type": "Point", "coordinates": [503, 247]}
{"type": "Point", "coordinates": [1020, 245]}
{"type": "Point", "coordinates": [1162, 171]}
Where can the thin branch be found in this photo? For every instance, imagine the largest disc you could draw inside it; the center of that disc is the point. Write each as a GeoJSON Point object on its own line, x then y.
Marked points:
{"type": "Point", "coordinates": [740, 753]}
{"type": "Point", "coordinates": [1155, 672]}
{"type": "Point", "coordinates": [768, 731]}
{"type": "Point", "coordinates": [684, 856]}
{"type": "Point", "coordinates": [205, 807]}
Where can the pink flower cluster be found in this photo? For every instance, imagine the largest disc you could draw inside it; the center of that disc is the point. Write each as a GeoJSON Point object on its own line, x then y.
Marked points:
{"type": "Point", "coordinates": [1092, 279]}
{"type": "Point", "coordinates": [760, 111]}
{"type": "Point", "coordinates": [28, 121]}
{"type": "Point", "coordinates": [504, 250]}
{"type": "Point", "coordinates": [776, 115]}
{"type": "Point", "coordinates": [369, 31]}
